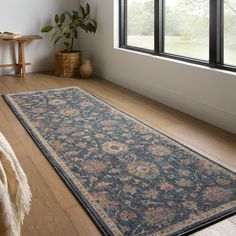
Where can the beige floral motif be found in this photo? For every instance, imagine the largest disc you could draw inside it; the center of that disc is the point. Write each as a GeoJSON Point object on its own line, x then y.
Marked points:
{"type": "Point", "coordinates": [86, 104]}
{"type": "Point", "coordinates": [82, 145]}
{"type": "Point", "coordinates": [92, 149]}
{"type": "Point", "coordinates": [65, 129]}
{"type": "Point", "coordinates": [128, 189]}
{"type": "Point", "coordinates": [114, 171]}
{"type": "Point", "coordinates": [48, 130]}
{"type": "Point", "coordinates": [130, 141]}
{"type": "Point", "coordinates": [108, 122]}
{"type": "Point", "coordinates": [159, 150]}
{"type": "Point", "coordinates": [109, 128]}
{"type": "Point", "coordinates": [88, 126]}
{"type": "Point", "coordinates": [37, 123]}
{"type": "Point", "coordinates": [125, 178]}
{"type": "Point", "coordinates": [183, 172]}
{"type": "Point", "coordinates": [78, 133]}
{"type": "Point", "coordinates": [57, 146]}
{"type": "Point", "coordinates": [114, 147]}
{"type": "Point", "coordinates": [124, 229]}
{"type": "Point", "coordinates": [167, 166]}
{"type": "Point", "coordinates": [186, 161]}
{"type": "Point", "coordinates": [151, 193]}
{"type": "Point", "coordinates": [147, 137]}
{"type": "Point", "coordinates": [57, 102]}
{"type": "Point", "coordinates": [103, 185]}
{"type": "Point", "coordinates": [155, 216]}
{"type": "Point", "coordinates": [171, 203]}
{"type": "Point", "coordinates": [143, 169]}
{"type": "Point", "coordinates": [130, 157]}
{"type": "Point", "coordinates": [128, 215]}
{"type": "Point", "coordinates": [138, 128]}
{"type": "Point", "coordinates": [205, 165]}
{"type": "Point", "coordinates": [39, 110]}
{"type": "Point", "coordinates": [190, 205]}
{"type": "Point", "coordinates": [94, 166]}
{"type": "Point", "coordinates": [216, 193]}
{"type": "Point", "coordinates": [223, 181]}
{"type": "Point", "coordinates": [166, 187]}
{"type": "Point", "coordinates": [99, 136]}
{"type": "Point", "coordinates": [69, 112]}
{"type": "Point", "coordinates": [184, 183]}
{"type": "Point", "coordinates": [71, 153]}
{"type": "Point", "coordinates": [127, 135]}
{"type": "Point", "coordinates": [148, 202]}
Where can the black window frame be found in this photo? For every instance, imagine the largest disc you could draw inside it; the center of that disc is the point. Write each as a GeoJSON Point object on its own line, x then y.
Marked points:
{"type": "Point", "coordinates": [216, 35]}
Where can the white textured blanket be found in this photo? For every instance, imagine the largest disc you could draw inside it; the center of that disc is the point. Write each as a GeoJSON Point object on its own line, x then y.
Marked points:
{"type": "Point", "coordinates": [15, 195]}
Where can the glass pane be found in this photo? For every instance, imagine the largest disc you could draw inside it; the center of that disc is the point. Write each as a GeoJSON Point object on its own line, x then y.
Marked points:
{"type": "Point", "coordinates": [230, 32]}
{"type": "Point", "coordinates": [140, 23]}
{"type": "Point", "coordinates": [187, 28]}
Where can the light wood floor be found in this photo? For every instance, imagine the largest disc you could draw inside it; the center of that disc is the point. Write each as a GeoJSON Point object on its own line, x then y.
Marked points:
{"type": "Point", "coordinates": [54, 210]}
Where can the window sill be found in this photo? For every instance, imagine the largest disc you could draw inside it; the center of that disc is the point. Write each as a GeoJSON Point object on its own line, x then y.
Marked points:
{"type": "Point", "coordinates": [179, 60]}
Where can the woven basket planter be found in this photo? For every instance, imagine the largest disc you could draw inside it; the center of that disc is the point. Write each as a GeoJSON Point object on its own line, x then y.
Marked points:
{"type": "Point", "coordinates": [67, 64]}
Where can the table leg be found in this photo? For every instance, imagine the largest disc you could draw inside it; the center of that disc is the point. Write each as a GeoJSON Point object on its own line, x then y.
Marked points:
{"type": "Point", "coordinates": [21, 58]}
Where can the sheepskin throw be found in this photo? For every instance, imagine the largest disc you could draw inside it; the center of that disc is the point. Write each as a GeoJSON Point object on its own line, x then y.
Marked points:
{"type": "Point", "coordinates": [15, 195]}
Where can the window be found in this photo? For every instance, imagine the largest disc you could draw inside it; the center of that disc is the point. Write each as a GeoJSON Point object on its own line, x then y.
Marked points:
{"type": "Point", "coordinates": [140, 23]}
{"type": "Point", "coordinates": [230, 32]}
{"type": "Point", "coordinates": [187, 28]}
{"type": "Point", "coordinates": [198, 31]}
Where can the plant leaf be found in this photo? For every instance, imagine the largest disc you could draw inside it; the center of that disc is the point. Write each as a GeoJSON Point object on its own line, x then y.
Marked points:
{"type": "Point", "coordinates": [46, 28]}
{"type": "Point", "coordinates": [87, 9]}
{"type": "Point", "coordinates": [84, 27]}
{"type": "Point", "coordinates": [57, 18]}
{"type": "Point", "coordinates": [62, 18]}
{"type": "Point", "coordinates": [67, 35]}
{"type": "Point", "coordinates": [66, 44]}
{"type": "Point", "coordinates": [95, 25]}
{"type": "Point", "coordinates": [83, 12]}
{"type": "Point", "coordinates": [56, 40]}
{"type": "Point", "coordinates": [91, 28]}
{"type": "Point", "coordinates": [75, 15]}
{"type": "Point", "coordinates": [66, 30]}
{"type": "Point", "coordinates": [53, 37]}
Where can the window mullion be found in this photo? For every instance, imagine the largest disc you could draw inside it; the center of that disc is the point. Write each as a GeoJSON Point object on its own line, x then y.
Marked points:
{"type": "Point", "coordinates": [159, 26]}
{"type": "Point", "coordinates": [216, 32]}
{"type": "Point", "coordinates": [221, 33]}
{"type": "Point", "coordinates": [123, 22]}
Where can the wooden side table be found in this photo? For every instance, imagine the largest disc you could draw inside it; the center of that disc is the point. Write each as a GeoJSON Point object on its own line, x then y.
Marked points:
{"type": "Point", "coordinates": [21, 53]}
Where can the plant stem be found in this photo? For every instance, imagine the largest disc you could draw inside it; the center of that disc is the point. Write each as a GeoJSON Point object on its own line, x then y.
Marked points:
{"type": "Point", "coordinates": [72, 43]}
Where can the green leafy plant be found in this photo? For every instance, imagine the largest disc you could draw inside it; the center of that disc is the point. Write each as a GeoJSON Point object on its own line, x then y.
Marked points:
{"type": "Point", "coordinates": [67, 25]}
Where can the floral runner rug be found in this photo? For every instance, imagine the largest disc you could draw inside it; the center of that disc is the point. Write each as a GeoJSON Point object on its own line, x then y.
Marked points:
{"type": "Point", "coordinates": [131, 178]}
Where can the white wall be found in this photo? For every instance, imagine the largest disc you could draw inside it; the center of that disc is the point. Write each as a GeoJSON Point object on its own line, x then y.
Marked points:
{"type": "Point", "coordinates": [28, 17]}
{"type": "Point", "coordinates": [199, 91]}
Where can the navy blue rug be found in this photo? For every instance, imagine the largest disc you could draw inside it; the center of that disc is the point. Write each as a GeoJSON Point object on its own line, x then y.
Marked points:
{"type": "Point", "coordinates": [131, 178]}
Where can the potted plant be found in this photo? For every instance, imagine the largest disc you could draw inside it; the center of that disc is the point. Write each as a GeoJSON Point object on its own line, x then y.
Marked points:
{"type": "Point", "coordinates": [66, 29]}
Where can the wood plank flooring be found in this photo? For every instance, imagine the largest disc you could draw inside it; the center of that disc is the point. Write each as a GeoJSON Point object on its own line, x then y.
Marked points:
{"type": "Point", "coordinates": [54, 210]}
